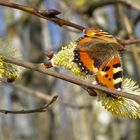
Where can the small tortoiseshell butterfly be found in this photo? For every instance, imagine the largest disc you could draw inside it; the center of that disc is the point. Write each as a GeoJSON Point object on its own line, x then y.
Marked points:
{"type": "Point", "coordinates": [97, 53]}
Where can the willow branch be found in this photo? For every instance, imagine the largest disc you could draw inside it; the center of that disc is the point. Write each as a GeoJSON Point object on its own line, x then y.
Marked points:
{"type": "Point", "coordinates": [41, 109]}
{"type": "Point", "coordinates": [98, 4]}
{"type": "Point", "coordinates": [51, 15]}
{"type": "Point", "coordinates": [42, 69]}
{"type": "Point", "coordinates": [129, 42]}
{"type": "Point", "coordinates": [46, 14]}
{"type": "Point", "coordinates": [45, 97]}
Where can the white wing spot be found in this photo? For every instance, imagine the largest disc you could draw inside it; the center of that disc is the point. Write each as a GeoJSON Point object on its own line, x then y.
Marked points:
{"type": "Point", "coordinates": [115, 70]}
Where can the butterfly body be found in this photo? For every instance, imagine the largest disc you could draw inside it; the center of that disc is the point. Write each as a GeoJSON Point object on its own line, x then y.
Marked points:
{"type": "Point", "coordinates": [97, 53]}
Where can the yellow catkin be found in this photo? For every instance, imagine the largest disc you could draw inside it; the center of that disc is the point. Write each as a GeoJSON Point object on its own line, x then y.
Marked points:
{"type": "Point", "coordinates": [1, 68]}
{"type": "Point", "coordinates": [119, 106]}
{"type": "Point", "coordinates": [7, 70]}
{"type": "Point", "coordinates": [64, 58]}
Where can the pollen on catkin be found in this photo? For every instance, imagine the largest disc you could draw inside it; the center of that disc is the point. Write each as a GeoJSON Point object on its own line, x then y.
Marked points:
{"type": "Point", "coordinates": [8, 70]}
{"type": "Point", "coordinates": [64, 58]}
{"type": "Point", "coordinates": [119, 106]}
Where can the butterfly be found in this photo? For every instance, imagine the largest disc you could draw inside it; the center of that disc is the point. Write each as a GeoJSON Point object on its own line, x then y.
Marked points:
{"type": "Point", "coordinates": [97, 53]}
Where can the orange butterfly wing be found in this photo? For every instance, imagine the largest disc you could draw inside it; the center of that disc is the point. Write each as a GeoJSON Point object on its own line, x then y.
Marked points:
{"type": "Point", "coordinates": [98, 55]}
{"type": "Point", "coordinates": [110, 73]}
{"type": "Point", "coordinates": [84, 61]}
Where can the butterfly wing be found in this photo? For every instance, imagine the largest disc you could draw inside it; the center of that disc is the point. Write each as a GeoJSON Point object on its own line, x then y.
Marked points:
{"type": "Point", "coordinates": [89, 55]}
{"type": "Point", "coordinates": [93, 54]}
{"type": "Point", "coordinates": [99, 34]}
{"type": "Point", "coordinates": [110, 73]}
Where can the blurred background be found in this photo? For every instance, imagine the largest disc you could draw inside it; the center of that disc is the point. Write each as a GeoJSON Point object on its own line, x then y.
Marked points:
{"type": "Point", "coordinates": [79, 117]}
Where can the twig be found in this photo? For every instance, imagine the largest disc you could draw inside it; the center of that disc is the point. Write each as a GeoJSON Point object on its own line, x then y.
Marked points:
{"type": "Point", "coordinates": [98, 4]}
{"type": "Point", "coordinates": [129, 42]}
{"type": "Point", "coordinates": [46, 14]}
{"type": "Point", "coordinates": [42, 69]}
{"type": "Point", "coordinates": [29, 91]}
{"type": "Point", "coordinates": [51, 15]}
{"type": "Point", "coordinates": [41, 109]}
{"type": "Point", "coordinates": [45, 97]}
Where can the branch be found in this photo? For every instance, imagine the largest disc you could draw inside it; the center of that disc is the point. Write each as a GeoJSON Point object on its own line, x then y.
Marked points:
{"type": "Point", "coordinates": [42, 69]}
{"type": "Point", "coordinates": [45, 97]}
{"type": "Point", "coordinates": [129, 42]}
{"type": "Point", "coordinates": [102, 3]}
{"type": "Point", "coordinates": [51, 15]}
{"type": "Point", "coordinates": [46, 14]}
{"type": "Point", "coordinates": [41, 109]}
